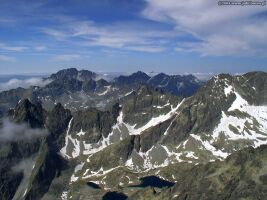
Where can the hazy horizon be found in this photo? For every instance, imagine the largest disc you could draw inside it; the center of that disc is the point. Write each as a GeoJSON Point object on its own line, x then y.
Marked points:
{"type": "Point", "coordinates": [47, 73]}
{"type": "Point", "coordinates": [147, 35]}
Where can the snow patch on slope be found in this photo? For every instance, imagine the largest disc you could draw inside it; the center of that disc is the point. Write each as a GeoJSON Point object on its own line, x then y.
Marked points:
{"type": "Point", "coordinates": [258, 135]}
{"type": "Point", "coordinates": [228, 89]}
{"type": "Point", "coordinates": [108, 88]}
{"type": "Point", "coordinates": [207, 146]}
{"type": "Point", "coordinates": [119, 131]}
{"type": "Point", "coordinates": [128, 93]}
{"type": "Point", "coordinates": [64, 195]}
{"type": "Point", "coordinates": [98, 173]}
{"type": "Point", "coordinates": [238, 103]}
{"type": "Point", "coordinates": [160, 107]}
{"type": "Point", "coordinates": [90, 149]}
{"type": "Point", "coordinates": [63, 151]}
{"type": "Point", "coordinates": [77, 168]}
{"type": "Point", "coordinates": [156, 157]}
{"type": "Point", "coordinates": [250, 125]}
{"type": "Point", "coordinates": [154, 121]}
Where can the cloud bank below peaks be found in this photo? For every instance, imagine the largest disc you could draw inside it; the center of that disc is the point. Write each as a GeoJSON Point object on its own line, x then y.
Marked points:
{"type": "Point", "coordinates": [11, 131]}
{"type": "Point", "coordinates": [25, 83]}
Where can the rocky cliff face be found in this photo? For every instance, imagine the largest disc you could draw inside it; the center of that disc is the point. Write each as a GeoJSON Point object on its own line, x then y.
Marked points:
{"type": "Point", "coordinates": [15, 147]}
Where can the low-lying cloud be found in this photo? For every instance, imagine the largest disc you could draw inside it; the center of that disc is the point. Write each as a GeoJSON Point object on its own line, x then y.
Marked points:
{"type": "Point", "coordinates": [11, 131]}
{"type": "Point", "coordinates": [105, 76]}
{"type": "Point", "coordinates": [25, 83]}
{"type": "Point", "coordinates": [23, 165]}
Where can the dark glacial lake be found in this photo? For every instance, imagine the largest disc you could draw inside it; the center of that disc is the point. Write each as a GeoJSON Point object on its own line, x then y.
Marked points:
{"type": "Point", "coordinates": [114, 196]}
{"type": "Point", "coordinates": [153, 181]}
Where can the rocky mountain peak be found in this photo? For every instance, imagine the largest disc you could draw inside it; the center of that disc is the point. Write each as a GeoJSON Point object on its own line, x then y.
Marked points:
{"type": "Point", "coordinates": [179, 85]}
{"type": "Point", "coordinates": [65, 74]}
{"type": "Point", "coordinates": [73, 73]}
{"type": "Point", "coordinates": [140, 74]}
{"type": "Point", "coordinates": [136, 78]}
{"type": "Point", "coordinates": [86, 75]}
{"type": "Point", "coordinates": [26, 111]}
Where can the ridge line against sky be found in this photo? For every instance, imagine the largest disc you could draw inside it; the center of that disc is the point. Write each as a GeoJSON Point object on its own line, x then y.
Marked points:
{"type": "Point", "coordinates": [117, 35]}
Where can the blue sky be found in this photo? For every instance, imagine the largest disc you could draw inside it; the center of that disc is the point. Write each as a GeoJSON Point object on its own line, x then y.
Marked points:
{"type": "Point", "coordinates": [173, 36]}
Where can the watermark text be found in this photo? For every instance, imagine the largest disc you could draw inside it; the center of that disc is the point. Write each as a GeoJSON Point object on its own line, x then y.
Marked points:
{"type": "Point", "coordinates": [242, 3]}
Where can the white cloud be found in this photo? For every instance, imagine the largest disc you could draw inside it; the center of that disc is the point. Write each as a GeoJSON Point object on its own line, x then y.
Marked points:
{"type": "Point", "coordinates": [23, 166]}
{"type": "Point", "coordinates": [222, 30]}
{"type": "Point", "coordinates": [40, 48]}
{"type": "Point", "coordinates": [67, 57]}
{"type": "Point", "coordinates": [7, 58]}
{"type": "Point", "coordinates": [26, 83]}
{"type": "Point", "coordinates": [11, 131]}
{"type": "Point", "coordinates": [149, 49]}
{"type": "Point", "coordinates": [12, 48]}
{"type": "Point", "coordinates": [59, 35]}
{"type": "Point", "coordinates": [127, 36]}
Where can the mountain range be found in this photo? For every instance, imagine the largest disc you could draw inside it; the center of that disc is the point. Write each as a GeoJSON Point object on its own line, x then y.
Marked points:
{"type": "Point", "coordinates": [135, 137]}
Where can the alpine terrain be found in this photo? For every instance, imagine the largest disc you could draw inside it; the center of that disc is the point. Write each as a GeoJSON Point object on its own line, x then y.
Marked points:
{"type": "Point", "coordinates": [135, 137]}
